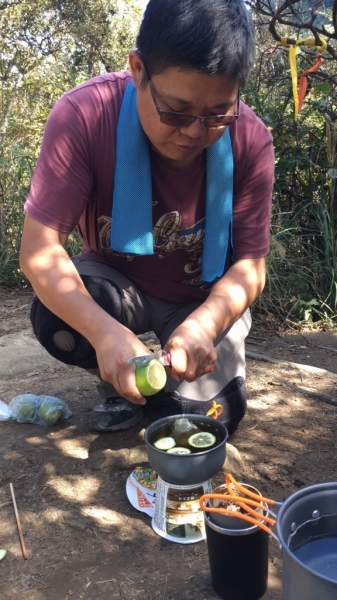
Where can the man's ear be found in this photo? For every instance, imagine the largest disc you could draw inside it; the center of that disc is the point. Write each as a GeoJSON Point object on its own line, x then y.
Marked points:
{"type": "Point", "coordinates": [136, 67]}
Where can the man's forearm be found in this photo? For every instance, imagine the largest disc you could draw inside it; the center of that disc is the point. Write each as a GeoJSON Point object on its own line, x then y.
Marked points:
{"type": "Point", "coordinates": [60, 288]}
{"type": "Point", "coordinates": [231, 295]}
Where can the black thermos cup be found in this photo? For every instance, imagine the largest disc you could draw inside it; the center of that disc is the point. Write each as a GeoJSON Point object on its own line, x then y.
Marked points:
{"type": "Point", "coordinates": [238, 561]}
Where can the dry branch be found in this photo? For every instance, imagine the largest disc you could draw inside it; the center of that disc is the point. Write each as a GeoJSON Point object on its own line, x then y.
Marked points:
{"type": "Point", "coordinates": [320, 345]}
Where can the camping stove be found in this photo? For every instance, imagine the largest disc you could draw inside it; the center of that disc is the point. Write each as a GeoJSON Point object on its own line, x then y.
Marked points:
{"type": "Point", "coordinates": [183, 479]}
{"type": "Point", "coordinates": [177, 515]}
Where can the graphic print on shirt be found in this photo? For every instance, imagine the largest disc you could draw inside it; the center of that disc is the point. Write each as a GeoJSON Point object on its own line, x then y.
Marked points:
{"type": "Point", "coordinates": [168, 237]}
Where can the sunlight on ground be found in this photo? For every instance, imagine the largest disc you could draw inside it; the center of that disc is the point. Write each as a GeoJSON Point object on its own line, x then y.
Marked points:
{"type": "Point", "coordinates": [103, 516]}
{"type": "Point", "coordinates": [7, 527]}
{"type": "Point", "coordinates": [70, 434]}
{"type": "Point", "coordinates": [14, 548]}
{"type": "Point", "coordinates": [51, 514]}
{"type": "Point", "coordinates": [263, 401]}
{"type": "Point", "coordinates": [140, 435]}
{"type": "Point", "coordinates": [12, 455]}
{"type": "Point", "coordinates": [79, 489]}
{"type": "Point", "coordinates": [73, 448]}
{"type": "Point", "coordinates": [36, 441]}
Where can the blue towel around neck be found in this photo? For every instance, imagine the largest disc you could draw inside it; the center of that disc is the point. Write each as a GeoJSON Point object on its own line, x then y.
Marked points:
{"type": "Point", "coordinates": [131, 230]}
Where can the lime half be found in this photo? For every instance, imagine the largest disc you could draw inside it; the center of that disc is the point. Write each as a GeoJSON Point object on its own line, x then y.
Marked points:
{"type": "Point", "coordinates": [150, 378]}
{"type": "Point", "coordinates": [165, 443]}
{"type": "Point", "coordinates": [202, 439]}
{"type": "Point", "coordinates": [179, 450]}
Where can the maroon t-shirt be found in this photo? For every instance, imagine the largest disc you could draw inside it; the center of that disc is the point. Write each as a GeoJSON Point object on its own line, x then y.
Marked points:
{"type": "Point", "coordinates": [74, 178]}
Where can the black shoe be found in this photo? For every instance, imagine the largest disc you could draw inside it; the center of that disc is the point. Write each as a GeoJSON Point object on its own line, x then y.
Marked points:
{"type": "Point", "coordinates": [114, 414]}
{"type": "Point", "coordinates": [229, 406]}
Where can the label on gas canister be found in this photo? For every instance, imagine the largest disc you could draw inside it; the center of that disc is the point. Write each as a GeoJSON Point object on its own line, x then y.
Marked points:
{"type": "Point", "coordinates": [178, 515]}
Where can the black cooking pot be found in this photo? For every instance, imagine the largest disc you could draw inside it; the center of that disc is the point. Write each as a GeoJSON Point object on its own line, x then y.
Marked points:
{"type": "Point", "coordinates": [187, 469]}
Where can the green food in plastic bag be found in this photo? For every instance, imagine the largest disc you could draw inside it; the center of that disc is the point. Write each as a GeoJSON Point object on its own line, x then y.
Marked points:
{"type": "Point", "coordinates": [52, 411]}
{"type": "Point", "coordinates": [26, 407]}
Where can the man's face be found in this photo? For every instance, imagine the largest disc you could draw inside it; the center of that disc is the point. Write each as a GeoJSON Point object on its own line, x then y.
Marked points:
{"type": "Point", "coordinates": [191, 93]}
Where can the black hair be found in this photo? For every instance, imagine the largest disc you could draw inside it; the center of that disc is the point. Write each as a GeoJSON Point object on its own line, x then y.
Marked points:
{"type": "Point", "coordinates": [215, 37]}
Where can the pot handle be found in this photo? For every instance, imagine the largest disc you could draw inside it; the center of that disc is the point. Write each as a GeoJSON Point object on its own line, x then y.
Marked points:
{"type": "Point", "coordinates": [244, 503]}
{"type": "Point", "coordinates": [255, 519]}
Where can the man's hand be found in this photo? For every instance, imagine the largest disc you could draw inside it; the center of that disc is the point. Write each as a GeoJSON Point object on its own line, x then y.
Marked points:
{"type": "Point", "coordinates": [60, 288]}
{"type": "Point", "coordinates": [192, 343]}
{"type": "Point", "coordinates": [192, 351]}
{"type": "Point", "coordinates": [113, 353]}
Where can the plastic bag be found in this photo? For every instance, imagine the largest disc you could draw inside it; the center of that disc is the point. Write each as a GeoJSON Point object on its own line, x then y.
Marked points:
{"type": "Point", "coordinates": [5, 412]}
{"type": "Point", "coordinates": [40, 410]}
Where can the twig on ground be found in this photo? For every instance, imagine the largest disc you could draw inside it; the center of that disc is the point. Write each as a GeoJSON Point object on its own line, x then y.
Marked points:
{"type": "Point", "coordinates": [319, 345]}
{"type": "Point", "coordinates": [19, 307]}
{"type": "Point", "coordinates": [61, 542]}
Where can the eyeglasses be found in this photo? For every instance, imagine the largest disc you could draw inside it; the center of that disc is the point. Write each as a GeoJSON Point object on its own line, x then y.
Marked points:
{"type": "Point", "coordinates": [174, 119]}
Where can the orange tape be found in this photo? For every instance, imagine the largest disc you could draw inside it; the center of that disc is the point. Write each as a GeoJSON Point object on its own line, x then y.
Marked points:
{"type": "Point", "coordinates": [215, 411]}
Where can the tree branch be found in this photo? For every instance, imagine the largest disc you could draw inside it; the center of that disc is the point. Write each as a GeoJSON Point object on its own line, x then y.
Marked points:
{"type": "Point", "coordinates": [9, 107]}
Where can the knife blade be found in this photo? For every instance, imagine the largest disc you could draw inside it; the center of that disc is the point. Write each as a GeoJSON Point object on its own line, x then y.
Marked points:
{"type": "Point", "coordinates": [143, 361]}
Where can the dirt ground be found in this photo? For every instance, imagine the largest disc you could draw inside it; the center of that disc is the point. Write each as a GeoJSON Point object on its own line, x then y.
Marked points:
{"type": "Point", "coordinates": [84, 539]}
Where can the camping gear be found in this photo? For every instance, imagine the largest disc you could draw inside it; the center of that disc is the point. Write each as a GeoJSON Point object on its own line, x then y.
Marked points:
{"type": "Point", "coordinates": [251, 506]}
{"type": "Point", "coordinates": [177, 515]}
{"type": "Point", "coordinates": [187, 469]}
{"type": "Point", "coordinates": [227, 520]}
{"type": "Point", "coordinates": [184, 478]}
{"type": "Point", "coordinates": [233, 542]}
{"type": "Point", "coordinates": [238, 560]}
{"type": "Point", "coordinates": [306, 529]}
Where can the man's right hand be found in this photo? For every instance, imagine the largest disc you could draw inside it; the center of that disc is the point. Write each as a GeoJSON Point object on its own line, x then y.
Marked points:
{"type": "Point", "coordinates": [60, 288]}
{"type": "Point", "coordinates": [113, 352]}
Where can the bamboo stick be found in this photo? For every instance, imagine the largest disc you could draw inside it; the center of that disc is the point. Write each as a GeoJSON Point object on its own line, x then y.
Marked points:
{"type": "Point", "coordinates": [23, 547]}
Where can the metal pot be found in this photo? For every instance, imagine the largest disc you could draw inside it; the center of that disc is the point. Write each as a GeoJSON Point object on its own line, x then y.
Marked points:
{"type": "Point", "coordinates": [187, 469]}
{"type": "Point", "coordinates": [227, 521]}
{"type": "Point", "coordinates": [309, 569]}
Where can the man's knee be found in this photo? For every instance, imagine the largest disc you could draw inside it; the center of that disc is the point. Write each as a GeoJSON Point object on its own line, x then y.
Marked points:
{"type": "Point", "coordinates": [228, 406]}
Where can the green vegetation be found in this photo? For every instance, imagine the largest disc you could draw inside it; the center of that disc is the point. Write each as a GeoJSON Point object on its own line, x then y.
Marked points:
{"type": "Point", "coordinates": [47, 47]}
{"type": "Point", "coordinates": [302, 274]}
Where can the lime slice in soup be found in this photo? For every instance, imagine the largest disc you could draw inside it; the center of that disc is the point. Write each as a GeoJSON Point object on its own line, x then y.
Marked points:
{"type": "Point", "coordinates": [150, 378]}
{"type": "Point", "coordinates": [178, 450]}
{"type": "Point", "coordinates": [202, 439]}
{"type": "Point", "coordinates": [165, 443]}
